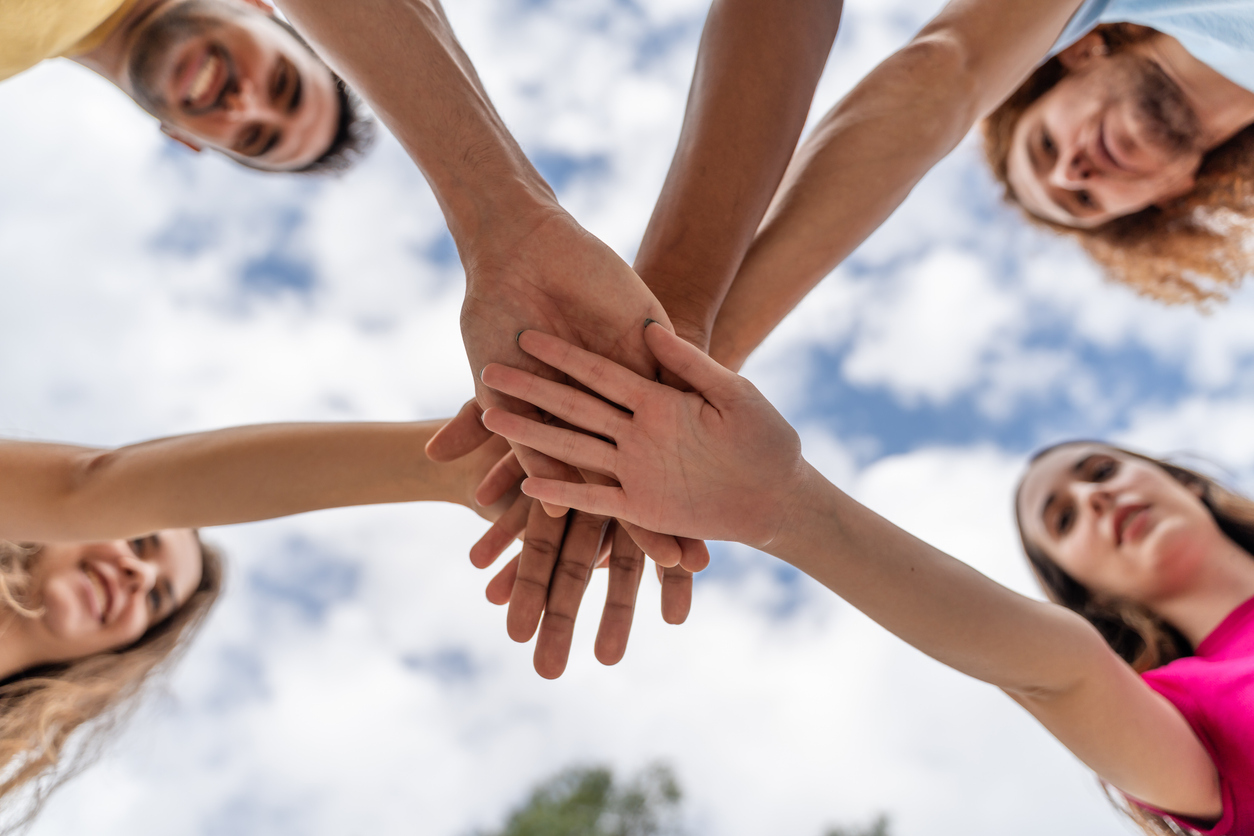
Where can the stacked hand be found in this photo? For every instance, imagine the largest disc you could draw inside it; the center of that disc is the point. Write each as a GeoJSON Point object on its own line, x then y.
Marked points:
{"type": "Point", "coordinates": [548, 273]}
{"type": "Point", "coordinates": [718, 462]}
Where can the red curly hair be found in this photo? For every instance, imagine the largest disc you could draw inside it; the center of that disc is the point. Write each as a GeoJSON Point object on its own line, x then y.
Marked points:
{"type": "Point", "coordinates": [1193, 249]}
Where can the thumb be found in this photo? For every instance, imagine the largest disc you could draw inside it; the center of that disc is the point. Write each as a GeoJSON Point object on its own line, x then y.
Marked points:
{"type": "Point", "coordinates": [685, 360]}
{"type": "Point", "coordinates": [461, 435]}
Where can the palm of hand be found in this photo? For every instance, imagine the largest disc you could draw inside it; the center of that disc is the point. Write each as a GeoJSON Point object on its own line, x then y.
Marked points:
{"type": "Point", "coordinates": [559, 279]}
{"type": "Point", "coordinates": [694, 470]}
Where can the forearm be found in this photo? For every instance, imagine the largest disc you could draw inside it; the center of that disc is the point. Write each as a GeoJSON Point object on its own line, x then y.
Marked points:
{"type": "Point", "coordinates": [938, 604]}
{"type": "Point", "coordinates": [54, 492]}
{"type": "Point", "coordinates": [849, 175]}
{"type": "Point", "coordinates": [1049, 659]}
{"type": "Point", "coordinates": [870, 150]}
{"type": "Point", "coordinates": [757, 67]}
{"type": "Point", "coordinates": [402, 57]}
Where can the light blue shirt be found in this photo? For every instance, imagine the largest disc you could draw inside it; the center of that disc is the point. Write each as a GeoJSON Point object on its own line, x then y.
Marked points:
{"type": "Point", "coordinates": [1219, 33]}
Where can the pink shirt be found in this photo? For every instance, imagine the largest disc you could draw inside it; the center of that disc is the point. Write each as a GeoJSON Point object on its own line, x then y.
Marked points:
{"type": "Point", "coordinates": [1214, 690]}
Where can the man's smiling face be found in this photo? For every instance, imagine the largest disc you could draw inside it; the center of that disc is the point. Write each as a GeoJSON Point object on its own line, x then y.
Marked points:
{"type": "Point", "coordinates": [226, 74]}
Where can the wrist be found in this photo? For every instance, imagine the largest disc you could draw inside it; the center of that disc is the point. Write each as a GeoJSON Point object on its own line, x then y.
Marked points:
{"type": "Point", "coordinates": [797, 508]}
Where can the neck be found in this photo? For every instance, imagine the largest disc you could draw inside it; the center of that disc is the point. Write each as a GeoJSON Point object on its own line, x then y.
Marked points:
{"type": "Point", "coordinates": [1223, 107]}
{"type": "Point", "coordinates": [1225, 581]}
{"type": "Point", "coordinates": [110, 58]}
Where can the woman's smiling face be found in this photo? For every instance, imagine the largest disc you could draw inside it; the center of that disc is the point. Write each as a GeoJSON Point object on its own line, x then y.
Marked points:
{"type": "Point", "coordinates": [94, 597]}
{"type": "Point", "coordinates": [1118, 524]}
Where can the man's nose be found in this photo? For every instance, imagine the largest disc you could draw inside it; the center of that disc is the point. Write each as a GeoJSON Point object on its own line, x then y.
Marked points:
{"type": "Point", "coordinates": [1072, 170]}
{"type": "Point", "coordinates": [245, 104]}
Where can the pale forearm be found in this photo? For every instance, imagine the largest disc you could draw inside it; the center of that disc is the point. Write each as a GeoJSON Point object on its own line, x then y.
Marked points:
{"type": "Point", "coordinates": [402, 57]}
{"type": "Point", "coordinates": [756, 71]}
{"type": "Point", "coordinates": [227, 476]}
{"type": "Point", "coordinates": [938, 604]}
{"type": "Point", "coordinates": [849, 175]}
{"type": "Point", "coordinates": [871, 149]}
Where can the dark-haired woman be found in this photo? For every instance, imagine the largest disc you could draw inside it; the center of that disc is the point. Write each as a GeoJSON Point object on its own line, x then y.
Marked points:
{"type": "Point", "coordinates": [103, 575]}
{"type": "Point", "coordinates": [1151, 562]}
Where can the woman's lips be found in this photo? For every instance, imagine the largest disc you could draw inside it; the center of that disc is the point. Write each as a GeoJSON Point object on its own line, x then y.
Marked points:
{"type": "Point", "coordinates": [98, 593]}
{"type": "Point", "coordinates": [1130, 522]}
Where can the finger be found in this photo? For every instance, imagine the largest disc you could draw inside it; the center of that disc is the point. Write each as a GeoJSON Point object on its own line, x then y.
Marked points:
{"type": "Point", "coordinates": [503, 476]}
{"type": "Point", "coordinates": [696, 556]}
{"type": "Point", "coordinates": [461, 434]}
{"type": "Point", "coordinates": [603, 376]}
{"type": "Point", "coordinates": [534, 462]}
{"type": "Point", "coordinates": [605, 500]}
{"type": "Point", "coordinates": [580, 549]}
{"type": "Point", "coordinates": [502, 585]}
{"type": "Point", "coordinates": [535, 568]}
{"type": "Point", "coordinates": [685, 359]}
{"type": "Point", "coordinates": [502, 532]}
{"type": "Point", "coordinates": [676, 594]}
{"type": "Point", "coordinates": [573, 448]}
{"type": "Point", "coordinates": [566, 402]}
{"type": "Point", "coordinates": [663, 548]}
{"type": "Point", "coordinates": [626, 570]}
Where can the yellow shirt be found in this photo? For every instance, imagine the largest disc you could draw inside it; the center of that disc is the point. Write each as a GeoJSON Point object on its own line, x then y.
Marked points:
{"type": "Point", "coordinates": [32, 30]}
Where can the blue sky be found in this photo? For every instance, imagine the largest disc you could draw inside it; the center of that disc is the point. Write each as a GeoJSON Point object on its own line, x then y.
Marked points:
{"type": "Point", "coordinates": [353, 679]}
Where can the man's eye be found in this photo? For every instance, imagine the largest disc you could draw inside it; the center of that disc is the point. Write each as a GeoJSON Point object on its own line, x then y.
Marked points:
{"type": "Point", "coordinates": [1047, 142]}
{"type": "Point", "coordinates": [1085, 199]}
{"type": "Point", "coordinates": [138, 545]}
{"type": "Point", "coordinates": [154, 601]}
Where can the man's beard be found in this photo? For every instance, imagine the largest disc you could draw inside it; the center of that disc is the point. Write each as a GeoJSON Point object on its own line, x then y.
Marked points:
{"type": "Point", "coordinates": [149, 53]}
{"type": "Point", "coordinates": [1167, 120]}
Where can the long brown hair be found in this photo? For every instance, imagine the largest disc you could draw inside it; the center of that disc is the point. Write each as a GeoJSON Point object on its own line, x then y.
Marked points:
{"type": "Point", "coordinates": [1192, 249]}
{"type": "Point", "coordinates": [1138, 636]}
{"type": "Point", "coordinates": [41, 709]}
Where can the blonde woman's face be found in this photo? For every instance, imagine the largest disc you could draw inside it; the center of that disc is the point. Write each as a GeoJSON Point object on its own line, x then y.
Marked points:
{"type": "Point", "coordinates": [104, 596]}
{"type": "Point", "coordinates": [1119, 525]}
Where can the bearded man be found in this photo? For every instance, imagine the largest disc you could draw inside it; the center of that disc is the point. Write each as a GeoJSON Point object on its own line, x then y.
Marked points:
{"type": "Point", "coordinates": [221, 74]}
{"type": "Point", "coordinates": [1122, 123]}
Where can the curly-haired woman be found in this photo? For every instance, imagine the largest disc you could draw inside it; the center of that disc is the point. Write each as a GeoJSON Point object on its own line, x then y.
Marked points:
{"type": "Point", "coordinates": [103, 575]}
{"type": "Point", "coordinates": [1143, 665]}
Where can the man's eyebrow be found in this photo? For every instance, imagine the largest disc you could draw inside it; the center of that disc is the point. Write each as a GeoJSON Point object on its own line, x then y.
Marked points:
{"type": "Point", "coordinates": [275, 136]}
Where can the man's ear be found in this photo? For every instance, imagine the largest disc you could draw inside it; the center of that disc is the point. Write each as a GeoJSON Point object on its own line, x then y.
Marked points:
{"type": "Point", "coordinates": [181, 138]}
{"type": "Point", "coordinates": [260, 4]}
{"type": "Point", "coordinates": [1182, 188]}
{"type": "Point", "coordinates": [1084, 51]}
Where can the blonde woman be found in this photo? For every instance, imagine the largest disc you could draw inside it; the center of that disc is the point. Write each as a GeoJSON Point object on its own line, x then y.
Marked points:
{"type": "Point", "coordinates": [1146, 670]}
{"type": "Point", "coordinates": [103, 575]}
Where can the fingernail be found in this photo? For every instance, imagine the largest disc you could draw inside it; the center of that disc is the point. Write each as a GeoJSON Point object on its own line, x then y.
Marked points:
{"type": "Point", "coordinates": [518, 336]}
{"type": "Point", "coordinates": [649, 322]}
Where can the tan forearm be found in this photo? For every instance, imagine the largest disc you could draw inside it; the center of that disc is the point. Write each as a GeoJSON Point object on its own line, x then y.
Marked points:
{"type": "Point", "coordinates": [226, 476]}
{"type": "Point", "coordinates": [402, 57]}
{"type": "Point", "coordinates": [757, 67]}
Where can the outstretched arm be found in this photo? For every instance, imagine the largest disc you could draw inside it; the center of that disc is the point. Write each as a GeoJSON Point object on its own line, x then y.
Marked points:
{"type": "Point", "coordinates": [61, 492]}
{"type": "Point", "coordinates": [758, 64]}
{"type": "Point", "coordinates": [869, 151]}
{"type": "Point", "coordinates": [528, 263]}
{"type": "Point", "coordinates": [721, 463]}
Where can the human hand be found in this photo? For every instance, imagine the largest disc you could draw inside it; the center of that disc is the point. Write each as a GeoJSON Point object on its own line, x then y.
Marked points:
{"type": "Point", "coordinates": [465, 439]}
{"type": "Point", "coordinates": [719, 462]}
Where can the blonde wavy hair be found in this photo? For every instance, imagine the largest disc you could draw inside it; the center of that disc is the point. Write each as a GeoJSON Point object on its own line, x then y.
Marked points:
{"type": "Point", "coordinates": [43, 708]}
{"type": "Point", "coordinates": [1191, 250]}
{"type": "Point", "coordinates": [1138, 636]}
